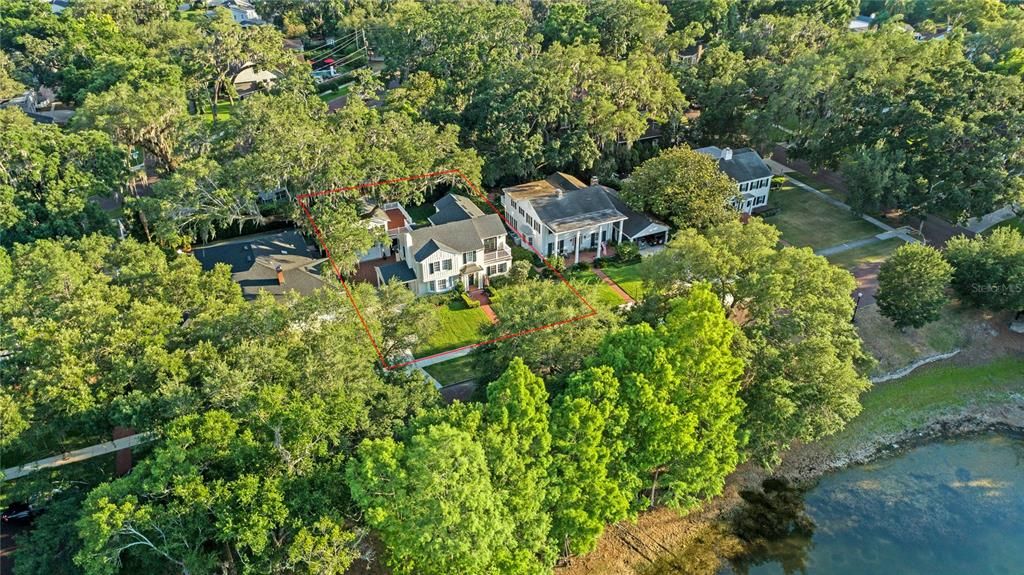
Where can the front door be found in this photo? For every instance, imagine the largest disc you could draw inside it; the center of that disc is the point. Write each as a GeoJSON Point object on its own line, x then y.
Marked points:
{"type": "Point", "coordinates": [471, 282]}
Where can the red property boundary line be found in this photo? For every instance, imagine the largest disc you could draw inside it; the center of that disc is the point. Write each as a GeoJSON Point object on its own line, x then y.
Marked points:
{"type": "Point", "coordinates": [304, 203]}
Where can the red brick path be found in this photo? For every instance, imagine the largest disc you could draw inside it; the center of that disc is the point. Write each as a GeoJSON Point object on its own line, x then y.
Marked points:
{"type": "Point", "coordinates": [615, 287]}
{"type": "Point", "coordinates": [485, 304]}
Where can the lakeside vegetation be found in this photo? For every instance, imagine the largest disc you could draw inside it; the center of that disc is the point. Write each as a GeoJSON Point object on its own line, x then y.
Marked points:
{"type": "Point", "coordinates": [282, 445]}
{"type": "Point", "coordinates": [930, 394]}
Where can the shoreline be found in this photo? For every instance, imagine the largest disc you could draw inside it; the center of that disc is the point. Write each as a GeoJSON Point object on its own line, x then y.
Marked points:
{"type": "Point", "coordinates": [805, 464]}
{"type": "Point", "coordinates": [661, 541]}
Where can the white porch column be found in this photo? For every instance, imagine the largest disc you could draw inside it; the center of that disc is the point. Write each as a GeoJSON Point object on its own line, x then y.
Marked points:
{"type": "Point", "coordinates": [577, 247]}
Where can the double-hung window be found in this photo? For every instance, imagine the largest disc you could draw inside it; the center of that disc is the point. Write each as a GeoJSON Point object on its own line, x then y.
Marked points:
{"type": "Point", "coordinates": [434, 267]}
{"type": "Point", "coordinates": [446, 264]}
{"type": "Point", "coordinates": [468, 257]}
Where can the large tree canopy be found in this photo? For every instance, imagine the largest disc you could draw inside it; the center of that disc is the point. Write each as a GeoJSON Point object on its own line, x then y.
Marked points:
{"type": "Point", "coordinates": [683, 186]}
{"type": "Point", "coordinates": [804, 359]}
{"type": "Point", "coordinates": [47, 177]}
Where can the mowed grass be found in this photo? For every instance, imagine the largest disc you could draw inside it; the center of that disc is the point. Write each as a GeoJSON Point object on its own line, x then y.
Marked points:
{"type": "Point", "coordinates": [806, 220]}
{"type": "Point", "coordinates": [592, 288]}
{"type": "Point", "coordinates": [224, 110]}
{"type": "Point", "coordinates": [895, 349]}
{"type": "Point", "coordinates": [818, 184]}
{"type": "Point", "coordinates": [628, 278]}
{"type": "Point", "coordinates": [913, 401]}
{"type": "Point", "coordinates": [874, 253]}
{"type": "Point", "coordinates": [457, 325]}
{"type": "Point", "coordinates": [453, 371]}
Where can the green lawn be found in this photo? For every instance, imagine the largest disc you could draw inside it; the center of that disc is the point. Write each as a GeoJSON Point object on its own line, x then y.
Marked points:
{"type": "Point", "coordinates": [458, 325]}
{"type": "Point", "coordinates": [817, 184]}
{"type": "Point", "coordinates": [336, 93]}
{"type": "Point", "coordinates": [895, 349]}
{"type": "Point", "coordinates": [628, 278]}
{"type": "Point", "coordinates": [914, 400]}
{"type": "Point", "coordinates": [593, 288]}
{"type": "Point", "coordinates": [873, 253]}
{"type": "Point", "coordinates": [223, 112]}
{"type": "Point", "coordinates": [806, 220]}
{"type": "Point", "coordinates": [453, 371]}
{"type": "Point", "coordinates": [420, 213]}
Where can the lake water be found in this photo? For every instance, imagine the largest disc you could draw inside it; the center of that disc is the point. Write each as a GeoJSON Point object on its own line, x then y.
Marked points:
{"type": "Point", "coordinates": [952, 507]}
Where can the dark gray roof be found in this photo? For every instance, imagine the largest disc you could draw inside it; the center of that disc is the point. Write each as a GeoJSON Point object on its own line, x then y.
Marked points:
{"type": "Point", "coordinates": [636, 222]}
{"type": "Point", "coordinates": [745, 165]}
{"type": "Point", "coordinates": [454, 208]}
{"type": "Point", "coordinates": [456, 237]}
{"type": "Point", "coordinates": [254, 261]}
{"type": "Point", "coordinates": [396, 270]}
{"type": "Point", "coordinates": [574, 209]}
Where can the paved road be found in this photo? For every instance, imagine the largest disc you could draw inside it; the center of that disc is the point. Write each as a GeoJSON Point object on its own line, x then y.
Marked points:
{"type": "Point", "coordinates": [978, 225]}
{"type": "Point", "coordinates": [77, 455]}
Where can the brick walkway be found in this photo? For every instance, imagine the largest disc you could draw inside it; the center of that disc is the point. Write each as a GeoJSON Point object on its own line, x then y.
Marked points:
{"type": "Point", "coordinates": [485, 304]}
{"type": "Point", "coordinates": [611, 283]}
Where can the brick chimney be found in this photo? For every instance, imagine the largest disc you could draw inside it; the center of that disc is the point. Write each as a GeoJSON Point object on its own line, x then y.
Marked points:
{"type": "Point", "coordinates": [280, 275]}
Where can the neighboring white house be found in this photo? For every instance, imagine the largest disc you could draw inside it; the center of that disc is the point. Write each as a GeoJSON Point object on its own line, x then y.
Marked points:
{"type": "Point", "coordinates": [242, 11]}
{"type": "Point", "coordinates": [394, 220]}
{"type": "Point", "coordinates": [436, 258]}
{"type": "Point", "coordinates": [562, 215]}
{"type": "Point", "coordinates": [753, 177]}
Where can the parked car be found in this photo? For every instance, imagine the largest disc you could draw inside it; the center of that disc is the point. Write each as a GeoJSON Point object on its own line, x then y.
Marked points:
{"type": "Point", "coordinates": [19, 514]}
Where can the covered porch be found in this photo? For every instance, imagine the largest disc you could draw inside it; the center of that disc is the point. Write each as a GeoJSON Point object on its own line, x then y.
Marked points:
{"type": "Point", "coordinates": [472, 276]}
{"type": "Point", "coordinates": [588, 244]}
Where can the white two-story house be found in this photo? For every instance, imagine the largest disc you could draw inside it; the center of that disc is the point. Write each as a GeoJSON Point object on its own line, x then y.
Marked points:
{"type": "Point", "coordinates": [466, 249]}
{"type": "Point", "coordinates": [753, 177]}
{"type": "Point", "coordinates": [561, 215]}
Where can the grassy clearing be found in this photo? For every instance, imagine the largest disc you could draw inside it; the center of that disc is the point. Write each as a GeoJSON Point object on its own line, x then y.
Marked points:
{"type": "Point", "coordinates": [457, 325]}
{"type": "Point", "coordinates": [591, 286]}
{"type": "Point", "coordinates": [806, 220]}
{"type": "Point", "coordinates": [336, 93]}
{"type": "Point", "coordinates": [453, 371]}
{"type": "Point", "coordinates": [870, 254]}
{"type": "Point", "coordinates": [628, 278]}
{"type": "Point", "coordinates": [915, 400]}
{"type": "Point", "coordinates": [895, 349]}
{"type": "Point", "coordinates": [818, 184]}
{"type": "Point", "coordinates": [224, 110]}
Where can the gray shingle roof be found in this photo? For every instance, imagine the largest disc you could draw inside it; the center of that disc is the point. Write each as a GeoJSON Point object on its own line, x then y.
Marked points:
{"type": "Point", "coordinates": [456, 237]}
{"type": "Point", "coordinates": [637, 221]}
{"type": "Point", "coordinates": [745, 165]}
{"type": "Point", "coordinates": [254, 261]}
{"type": "Point", "coordinates": [396, 270]}
{"type": "Point", "coordinates": [576, 209]}
{"type": "Point", "coordinates": [454, 208]}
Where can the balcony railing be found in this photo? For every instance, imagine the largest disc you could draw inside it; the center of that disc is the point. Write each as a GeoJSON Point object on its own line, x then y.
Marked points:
{"type": "Point", "coordinates": [497, 255]}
